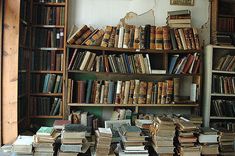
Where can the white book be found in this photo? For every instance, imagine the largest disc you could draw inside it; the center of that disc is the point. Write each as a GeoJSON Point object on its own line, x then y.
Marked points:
{"type": "Point", "coordinates": [102, 94]}
{"type": "Point", "coordinates": [84, 118]}
{"type": "Point", "coordinates": [193, 92]}
{"type": "Point", "coordinates": [208, 138]}
{"type": "Point", "coordinates": [182, 39]}
{"type": "Point", "coordinates": [126, 92]}
{"type": "Point", "coordinates": [23, 144]}
{"type": "Point", "coordinates": [121, 35]}
{"type": "Point", "coordinates": [105, 132]}
{"type": "Point", "coordinates": [148, 64]}
{"type": "Point", "coordinates": [85, 60]}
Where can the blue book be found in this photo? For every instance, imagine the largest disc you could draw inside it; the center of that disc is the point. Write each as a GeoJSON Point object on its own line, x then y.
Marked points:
{"type": "Point", "coordinates": [110, 93]}
{"type": "Point", "coordinates": [60, 86]}
{"type": "Point", "coordinates": [88, 91]}
{"type": "Point", "coordinates": [47, 77]}
{"type": "Point", "coordinates": [172, 63]}
{"type": "Point", "coordinates": [57, 108]}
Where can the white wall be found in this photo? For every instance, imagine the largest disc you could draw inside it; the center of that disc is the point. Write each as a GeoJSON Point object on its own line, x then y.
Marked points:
{"type": "Point", "coordinates": [100, 13]}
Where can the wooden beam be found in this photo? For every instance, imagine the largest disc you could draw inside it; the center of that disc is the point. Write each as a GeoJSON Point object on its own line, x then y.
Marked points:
{"type": "Point", "coordinates": [10, 70]}
{"type": "Point", "coordinates": [1, 14]}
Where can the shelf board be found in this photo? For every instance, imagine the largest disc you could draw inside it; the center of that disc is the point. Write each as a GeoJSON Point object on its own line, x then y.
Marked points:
{"type": "Point", "coordinates": [223, 47]}
{"type": "Point", "coordinates": [46, 117]}
{"type": "Point", "coordinates": [128, 74]}
{"type": "Point", "coordinates": [46, 72]}
{"type": "Point", "coordinates": [46, 94]}
{"type": "Point", "coordinates": [224, 15]}
{"type": "Point", "coordinates": [130, 50]}
{"type": "Point", "coordinates": [222, 118]}
{"type": "Point", "coordinates": [49, 49]}
{"type": "Point", "coordinates": [222, 72]}
{"type": "Point", "coordinates": [226, 95]}
{"type": "Point", "coordinates": [133, 105]}
{"type": "Point", "coordinates": [22, 71]}
{"type": "Point", "coordinates": [50, 4]}
{"type": "Point", "coordinates": [48, 26]}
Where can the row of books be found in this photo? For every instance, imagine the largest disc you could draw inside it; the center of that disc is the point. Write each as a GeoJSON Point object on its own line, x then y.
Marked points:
{"type": "Point", "coordinates": [227, 125]}
{"type": "Point", "coordinates": [186, 64]}
{"type": "Point", "coordinates": [45, 15]}
{"type": "Point", "coordinates": [225, 63]}
{"type": "Point", "coordinates": [22, 59]}
{"type": "Point", "coordinates": [53, 38]}
{"type": "Point", "coordinates": [45, 106]}
{"type": "Point", "coordinates": [179, 19]}
{"type": "Point", "coordinates": [47, 60]}
{"type": "Point", "coordinates": [49, 83]}
{"type": "Point", "coordinates": [142, 37]}
{"type": "Point", "coordinates": [22, 85]}
{"type": "Point", "coordinates": [223, 85]}
{"type": "Point", "coordinates": [223, 108]}
{"type": "Point", "coordinates": [123, 63]}
{"type": "Point", "coordinates": [25, 36]}
{"type": "Point", "coordinates": [128, 92]}
{"type": "Point", "coordinates": [225, 24]}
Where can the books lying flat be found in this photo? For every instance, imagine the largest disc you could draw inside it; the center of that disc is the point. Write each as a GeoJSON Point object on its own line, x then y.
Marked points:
{"type": "Point", "coordinates": [128, 130]}
{"type": "Point", "coordinates": [71, 148]}
{"type": "Point", "coordinates": [45, 131]}
{"type": "Point", "coordinates": [72, 135]}
{"type": "Point", "coordinates": [23, 144]}
{"type": "Point", "coordinates": [60, 153]}
{"type": "Point", "coordinates": [60, 124]}
{"type": "Point", "coordinates": [75, 128]}
{"type": "Point", "coordinates": [43, 153]}
{"type": "Point", "coordinates": [105, 132]}
{"type": "Point", "coordinates": [208, 138]}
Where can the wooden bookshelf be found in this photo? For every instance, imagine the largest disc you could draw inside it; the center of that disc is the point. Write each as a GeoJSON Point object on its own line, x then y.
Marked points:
{"type": "Point", "coordinates": [221, 118]}
{"type": "Point", "coordinates": [48, 26]}
{"type": "Point", "coordinates": [46, 117]}
{"type": "Point", "coordinates": [46, 72]}
{"type": "Point", "coordinates": [52, 4]}
{"type": "Point", "coordinates": [46, 94]}
{"type": "Point", "coordinates": [223, 72]}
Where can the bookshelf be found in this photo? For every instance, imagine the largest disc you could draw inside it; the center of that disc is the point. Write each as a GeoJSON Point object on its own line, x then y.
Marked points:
{"type": "Point", "coordinates": [222, 22]}
{"type": "Point", "coordinates": [162, 62]}
{"type": "Point", "coordinates": [46, 59]}
{"type": "Point", "coordinates": [23, 70]}
{"type": "Point", "coordinates": [219, 96]}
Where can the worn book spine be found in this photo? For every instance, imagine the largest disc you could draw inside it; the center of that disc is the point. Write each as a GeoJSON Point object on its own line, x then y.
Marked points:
{"type": "Point", "coordinates": [178, 40]}
{"type": "Point", "coordinates": [69, 90]}
{"type": "Point", "coordinates": [142, 93]}
{"type": "Point", "coordinates": [149, 92]}
{"type": "Point", "coordinates": [77, 35]}
{"type": "Point", "coordinates": [97, 92]}
{"type": "Point", "coordinates": [118, 92]}
{"type": "Point", "coordinates": [147, 30]}
{"type": "Point", "coordinates": [112, 38]}
{"type": "Point", "coordinates": [142, 66]}
{"type": "Point", "coordinates": [83, 37]}
{"type": "Point", "coordinates": [187, 39]}
{"type": "Point", "coordinates": [142, 37]}
{"type": "Point", "coordinates": [191, 38]}
{"type": "Point", "coordinates": [81, 91]}
{"type": "Point", "coordinates": [106, 37]}
{"type": "Point", "coordinates": [169, 91]}
{"type": "Point", "coordinates": [131, 93]}
{"type": "Point", "coordinates": [116, 36]}
{"type": "Point", "coordinates": [102, 94]}
{"type": "Point", "coordinates": [188, 64]}
{"type": "Point", "coordinates": [110, 92]}
{"type": "Point", "coordinates": [163, 96]}
{"type": "Point", "coordinates": [126, 38]}
{"type": "Point", "coordinates": [132, 36]}
{"type": "Point", "coordinates": [155, 93]}
{"type": "Point", "coordinates": [196, 38]}
{"type": "Point", "coordinates": [159, 93]}
{"type": "Point", "coordinates": [152, 37]}
{"type": "Point", "coordinates": [122, 93]}
{"type": "Point", "coordinates": [136, 92]}
{"type": "Point", "coordinates": [120, 37]}
{"type": "Point", "coordinates": [159, 38]}
{"type": "Point", "coordinates": [182, 38]}
{"type": "Point", "coordinates": [173, 39]}
{"type": "Point", "coordinates": [106, 63]}
{"type": "Point", "coordinates": [166, 38]}
{"type": "Point", "coordinates": [61, 45]}
{"type": "Point", "coordinates": [95, 39]}
{"type": "Point", "coordinates": [89, 91]}
{"type": "Point", "coordinates": [137, 38]}
{"type": "Point", "coordinates": [126, 92]}
{"type": "Point", "coordinates": [106, 90]}
{"type": "Point", "coordinates": [93, 91]}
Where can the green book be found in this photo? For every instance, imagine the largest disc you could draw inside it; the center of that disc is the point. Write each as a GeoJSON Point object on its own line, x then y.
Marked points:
{"type": "Point", "coordinates": [45, 131]}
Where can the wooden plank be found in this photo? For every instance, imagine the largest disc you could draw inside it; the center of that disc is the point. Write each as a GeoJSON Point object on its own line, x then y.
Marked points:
{"type": "Point", "coordinates": [10, 70]}
{"type": "Point", "coordinates": [1, 17]}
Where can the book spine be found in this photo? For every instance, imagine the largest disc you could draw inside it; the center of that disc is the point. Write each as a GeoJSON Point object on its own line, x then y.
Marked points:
{"type": "Point", "coordinates": [142, 37]}
{"type": "Point", "coordinates": [159, 93]}
{"type": "Point", "coordinates": [110, 92]}
{"type": "Point", "coordinates": [112, 38]}
{"type": "Point", "coordinates": [169, 91]}
{"type": "Point", "coordinates": [147, 36]}
{"type": "Point", "coordinates": [89, 91]}
{"type": "Point", "coordinates": [137, 38]}
{"type": "Point", "coordinates": [126, 92]}
{"type": "Point", "coordinates": [126, 38]}
{"type": "Point", "coordinates": [81, 91]}
{"type": "Point", "coordinates": [117, 36]}
{"type": "Point", "coordinates": [163, 96]}
{"type": "Point", "coordinates": [187, 39]}
{"type": "Point", "coordinates": [131, 93]}
{"type": "Point", "coordinates": [196, 38]}
{"type": "Point", "coordinates": [136, 92]}
{"type": "Point", "coordinates": [159, 38]}
{"type": "Point", "coordinates": [106, 37]}
{"type": "Point", "coordinates": [118, 92]}
{"type": "Point", "coordinates": [191, 38]}
{"type": "Point", "coordinates": [132, 36]}
{"type": "Point", "coordinates": [152, 37]}
{"type": "Point", "coordinates": [176, 82]}
{"type": "Point", "coordinates": [182, 37]}
{"type": "Point", "coordinates": [142, 93]}
{"type": "Point", "coordinates": [166, 38]}
{"type": "Point", "coordinates": [120, 37]}
{"type": "Point", "coordinates": [102, 94]}
{"type": "Point", "coordinates": [173, 39]}
{"type": "Point", "coordinates": [149, 92]}
{"type": "Point", "coordinates": [106, 90]}
{"type": "Point", "coordinates": [178, 40]}
{"type": "Point", "coordinates": [83, 37]}
{"type": "Point", "coordinates": [97, 92]}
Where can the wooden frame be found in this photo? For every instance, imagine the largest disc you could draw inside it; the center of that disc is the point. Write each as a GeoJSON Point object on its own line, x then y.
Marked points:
{"type": "Point", "coordinates": [1, 14]}
{"type": "Point", "coordinates": [182, 2]}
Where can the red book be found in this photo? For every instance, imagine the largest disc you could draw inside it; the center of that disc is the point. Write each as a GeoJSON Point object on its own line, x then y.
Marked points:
{"type": "Point", "coordinates": [196, 66]}
{"type": "Point", "coordinates": [59, 124]}
{"type": "Point", "coordinates": [188, 64]}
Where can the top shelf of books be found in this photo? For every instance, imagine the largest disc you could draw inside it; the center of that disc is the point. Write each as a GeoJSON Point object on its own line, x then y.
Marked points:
{"type": "Point", "coordinates": [61, 4]}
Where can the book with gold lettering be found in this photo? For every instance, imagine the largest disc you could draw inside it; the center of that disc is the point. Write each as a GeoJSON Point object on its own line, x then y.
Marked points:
{"type": "Point", "coordinates": [159, 38]}
{"type": "Point", "coordinates": [149, 92]}
{"type": "Point", "coordinates": [112, 37]}
{"type": "Point", "coordinates": [137, 38]}
{"type": "Point", "coordinates": [142, 93]}
{"type": "Point", "coordinates": [152, 37]}
{"type": "Point", "coordinates": [166, 38]}
{"type": "Point", "coordinates": [106, 37]}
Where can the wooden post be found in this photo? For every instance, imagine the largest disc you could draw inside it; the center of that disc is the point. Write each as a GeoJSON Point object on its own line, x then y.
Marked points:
{"type": "Point", "coordinates": [10, 70]}
{"type": "Point", "coordinates": [1, 14]}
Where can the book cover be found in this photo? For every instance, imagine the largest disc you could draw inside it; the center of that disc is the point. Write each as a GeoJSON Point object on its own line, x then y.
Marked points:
{"type": "Point", "coordinates": [142, 92]}
{"type": "Point", "coordinates": [178, 40]}
{"type": "Point", "coordinates": [106, 37]}
{"type": "Point", "coordinates": [159, 38]}
{"type": "Point", "coordinates": [166, 38]}
{"type": "Point", "coordinates": [172, 63]}
{"type": "Point", "coordinates": [84, 36]}
{"type": "Point", "coordinates": [112, 38]}
{"type": "Point", "coordinates": [137, 38]}
{"type": "Point", "coordinates": [45, 131]}
{"type": "Point", "coordinates": [152, 37]}
{"type": "Point", "coordinates": [126, 38]}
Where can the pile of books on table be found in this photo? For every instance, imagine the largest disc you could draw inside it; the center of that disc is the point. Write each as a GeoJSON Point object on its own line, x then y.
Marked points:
{"type": "Point", "coordinates": [23, 145]}
{"type": "Point", "coordinates": [226, 141]}
{"type": "Point", "coordinates": [103, 141]}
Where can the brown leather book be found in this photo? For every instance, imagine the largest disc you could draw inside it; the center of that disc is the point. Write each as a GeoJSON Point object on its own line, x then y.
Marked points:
{"type": "Point", "coordinates": [126, 38]}
{"type": "Point", "coordinates": [126, 92]}
{"type": "Point", "coordinates": [187, 39]}
{"type": "Point", "coordinates": [106, 37]}
{"type": "Point", "coordinates": [159, 38]}
{"type": "Point", "coordinates": [159, 92]}
{"type": "Point", "coordinates": [97, 92]}
{"type": "Point", "coordinates": [93, 91]}
{"type": "Point", "coordinates": [58, 16]}
{"type": "Point", "coordinates": [152, 37]}
{"type": "Point", "coordinates": [137, 38]}
{"type": "Point", "coordinates": [166, 38]}
{"type": "Point", "coordinates": [53, 59]}
{"type": "Point", "coordinates": [81, 91]}
{"type": "Point", "coordinates": [178, 40]}
{"type": "Point", "coordinates": [188, 64]}
{"type": "Point", "coordinates": [116, 36]}
{"type": "Point", "coordinates": [106, 90]}
{"type": "Point", "coordinates": [164, 90]}
{"type": "Point", "coordinates": [118, 92]}
{"type": "Point", "coordinates": [58, 62]}
{"type": "Point", "coordinates": [176, 82]}
{"type": "Point", "coordinates": [77, 34]}
{"type": "Point", "coordinates": [149, 92]}
{"type": "Point", "coordinates": [169, 91]}
{"type": "Point", "coordinates": [112, 38]}
{"type": "Point", "coordinates": [196, 66]}
{"type": "Point", "coordinates": [142, 93]}
{"type": "Point", "coordinates": [142, 38]}
{"type": "Point", "coordinates": [61, 38]}
{"type": "Point", "coordinates": [136, 92]}
{"type": "Point", "coordinates": [191, 38]}
{"type": "Point", "coordinates": [131, 93]}
{"type": "Point", "coordinates": [106, 63]}
{"type": "Point", "coordinates": [122, 93]}
{"type": "Point", "coordinates": [196, 38]}
{"type": "Point", "coordinates": [182, 38]}
{"type": "Point", "coordinates": [84, 36]}
{"type": "Point", "coordinates": [96, 39]}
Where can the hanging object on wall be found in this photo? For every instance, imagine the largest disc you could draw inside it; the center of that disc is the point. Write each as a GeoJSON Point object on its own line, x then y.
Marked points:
{"type": "Point", "coordinates": [182, 2]}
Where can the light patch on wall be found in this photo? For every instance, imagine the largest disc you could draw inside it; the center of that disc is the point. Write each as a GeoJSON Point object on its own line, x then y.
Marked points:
{"type": "Point", "coordinates": [138, 7]}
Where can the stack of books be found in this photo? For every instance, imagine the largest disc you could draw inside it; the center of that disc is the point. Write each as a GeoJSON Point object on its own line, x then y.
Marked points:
{"type": "Point", "coordinates": [163, 133]}
{"type": "Point", "coordinates": [132, 141]}
{"type": "Point", "coordinates": [60, 124]}
{"type": "Point", "coordinates": [23, 145]}
{"type": "Point", "coordinates": [208, 139]}
{"type": "Point", "coordinates": [179, 19]}
{"type": "Point", "coordinates": [73, 139]}
{"type": "Point", "coordinates": [103, 141]}
{"type": "Point", "coordinates": [226, 141]}
{"type": "Point", "coordinates": [44, 141]}
{"type": "Point", "coordinates": [186, 139]}
{"type": "Point", "coordinates": [138, 37]}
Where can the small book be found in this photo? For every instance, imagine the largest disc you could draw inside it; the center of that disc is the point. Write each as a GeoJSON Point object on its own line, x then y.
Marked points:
{"type": "Point", "coordinates": [45, 131]}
